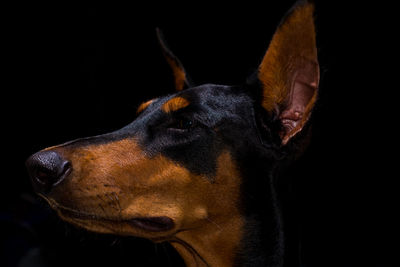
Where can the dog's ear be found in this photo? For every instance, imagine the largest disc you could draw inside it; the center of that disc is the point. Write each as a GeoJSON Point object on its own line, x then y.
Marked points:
{"type": "Point", "coordinates": [180, 77]}
{"type": "Point", "coordinates": [289, 71]}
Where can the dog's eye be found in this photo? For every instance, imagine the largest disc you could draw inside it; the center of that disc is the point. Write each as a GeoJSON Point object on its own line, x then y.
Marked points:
{"type": "Point", "coordinates": [182, 124]}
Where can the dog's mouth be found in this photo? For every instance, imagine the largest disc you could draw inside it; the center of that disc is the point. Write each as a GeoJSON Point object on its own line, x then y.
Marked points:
{"type": "Point", "coordinates": [151, 224]}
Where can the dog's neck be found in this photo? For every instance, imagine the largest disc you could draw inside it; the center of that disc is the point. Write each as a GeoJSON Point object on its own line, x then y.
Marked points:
{"type": "Point", "coordinates": [214, 244]}
{"type": "Point", "coordinates": [236, 242]}
{"type": "Point", "coordinates": [253, 239]}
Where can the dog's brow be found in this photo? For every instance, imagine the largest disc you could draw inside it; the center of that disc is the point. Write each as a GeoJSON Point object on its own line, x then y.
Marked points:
{"type": "Point", "coordinates": [175, 104]}
{"type": "Point", "coordinates": [144, 105]}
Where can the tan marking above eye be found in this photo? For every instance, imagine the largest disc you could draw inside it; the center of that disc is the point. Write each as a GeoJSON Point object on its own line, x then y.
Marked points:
{"type": "Point", "coordinates": [144, 105]}
{"type": "Point", "coordinates": [175, 104]}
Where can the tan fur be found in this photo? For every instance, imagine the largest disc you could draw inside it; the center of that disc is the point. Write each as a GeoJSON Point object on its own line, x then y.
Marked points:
{"type": "Point", "coordinates": [215, 240]}
{"type": "Point", "coordinates": [143, 106]}
{"type": "Point", "coordinates": [175, 104]}
{"type": "Point", "coordinates": [114, 182]}
{"type": "Point", "coordinates": [292, 48]}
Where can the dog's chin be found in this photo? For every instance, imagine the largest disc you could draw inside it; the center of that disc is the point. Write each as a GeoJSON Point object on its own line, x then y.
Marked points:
{"type": "Point", "coordinates": [157, 228]}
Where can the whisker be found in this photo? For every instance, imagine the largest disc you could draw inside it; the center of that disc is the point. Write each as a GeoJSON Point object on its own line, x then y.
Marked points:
{"type": "Point", "coordinates": [219, 227]}
{"type": "Point", "coordinates": [115, 242]}
{"type": "Point", "coordinates": [101, 199]}
{"type": "Point", "coordinates": [156, 250]}
{"type": "Point", "coordinates": [101, 207]}
{"type": "Point", "coordinates": [113, 201]}
{"type": "Point", "coordinates": [119, 207]}
{"type": "Point", "coordinates": [163, 245]}
{"type": "Point", "coordinates": [117, 200]}
{"type": "Point", "coordinates": [110, 197]}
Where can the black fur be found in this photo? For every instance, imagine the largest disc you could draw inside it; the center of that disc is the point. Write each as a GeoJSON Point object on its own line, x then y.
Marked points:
{"type": "Point", "coordinates": [222, 118]}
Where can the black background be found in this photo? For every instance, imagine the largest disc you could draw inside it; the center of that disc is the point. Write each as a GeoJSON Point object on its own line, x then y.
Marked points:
{"type": "Point", "coordinates": [80, 70]}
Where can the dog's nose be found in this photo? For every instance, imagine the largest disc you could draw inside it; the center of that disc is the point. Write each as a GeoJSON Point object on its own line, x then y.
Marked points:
{"type": "Point", "coordinates": [47, 169]}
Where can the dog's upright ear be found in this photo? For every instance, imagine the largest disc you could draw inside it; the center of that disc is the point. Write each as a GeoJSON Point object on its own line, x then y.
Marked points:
{"type": "Point", "coordinates": [180, 77]}
{"type": "Point", "coordinates": [289, 71]}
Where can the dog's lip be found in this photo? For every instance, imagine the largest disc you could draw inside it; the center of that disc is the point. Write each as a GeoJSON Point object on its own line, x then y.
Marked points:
{"type": "Point", "coordinates": [152, 224]}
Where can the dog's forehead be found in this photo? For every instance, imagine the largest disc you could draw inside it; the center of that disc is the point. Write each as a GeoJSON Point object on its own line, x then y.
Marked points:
{"type": "Point", "coordinates": [209, 93]}
{"type": "Point", "coordinates": [219, 102]}
{"type": "Point", "coordinates": [209, 103]}
{"type": "Point", "coordinates": [206, 97]}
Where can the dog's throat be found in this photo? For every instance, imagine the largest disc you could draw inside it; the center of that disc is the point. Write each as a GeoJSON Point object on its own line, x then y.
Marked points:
{"type": "Point", "coordinates": [191, 257]}
{"type": "Point", "coordinates": [213, 245]}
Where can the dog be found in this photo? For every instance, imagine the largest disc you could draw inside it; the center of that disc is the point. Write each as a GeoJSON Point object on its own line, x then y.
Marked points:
{"type": "Point", "coordinates": [197, 168]}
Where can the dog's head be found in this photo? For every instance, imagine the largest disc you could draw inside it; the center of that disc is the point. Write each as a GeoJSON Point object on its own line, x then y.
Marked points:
{"type": "Point", "coordinates": [179, 165]}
